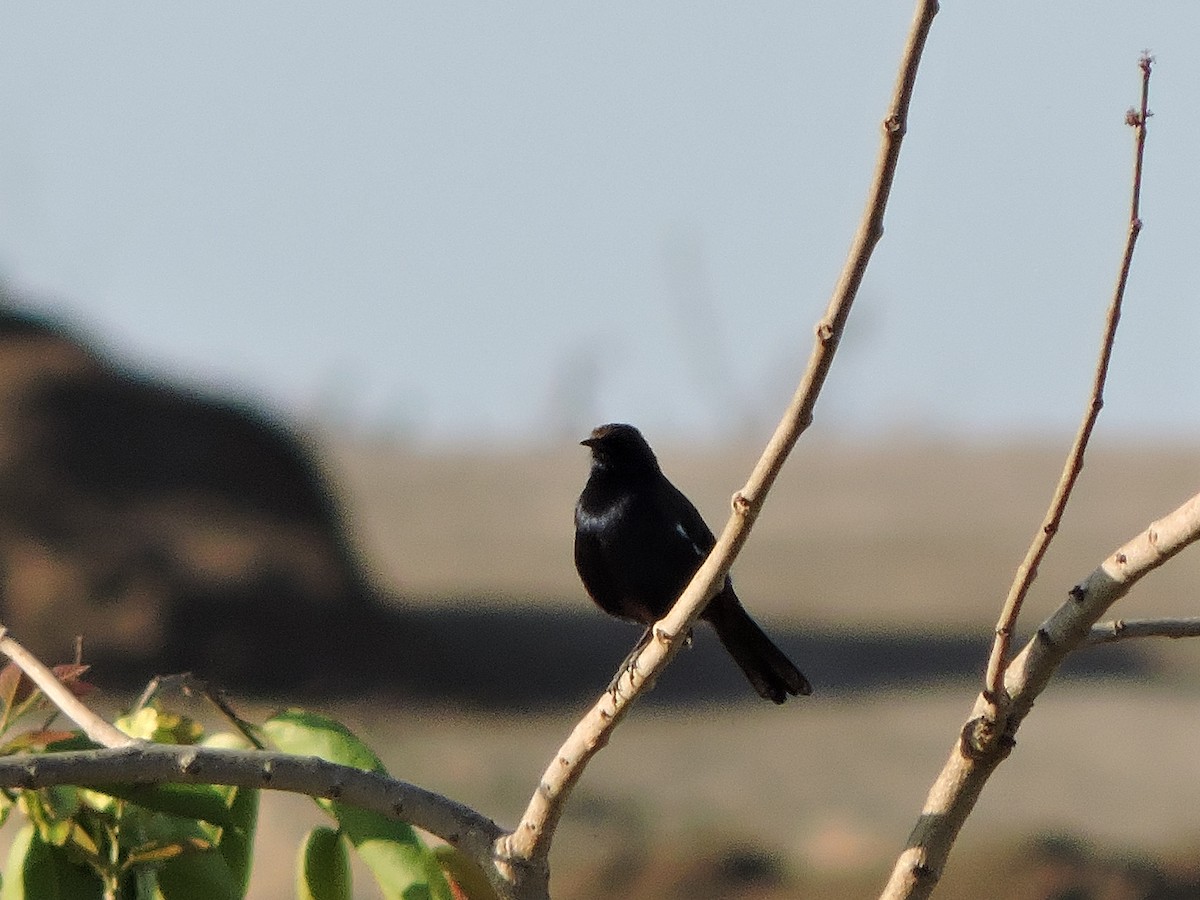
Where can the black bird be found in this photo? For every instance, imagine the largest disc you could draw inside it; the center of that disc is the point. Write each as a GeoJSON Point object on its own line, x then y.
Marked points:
{"type": "Point", "coordinates": [639, 541]}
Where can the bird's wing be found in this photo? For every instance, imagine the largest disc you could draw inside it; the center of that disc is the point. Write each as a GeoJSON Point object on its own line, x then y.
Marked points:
{"type": "Point", "coordinates": [688, 525]}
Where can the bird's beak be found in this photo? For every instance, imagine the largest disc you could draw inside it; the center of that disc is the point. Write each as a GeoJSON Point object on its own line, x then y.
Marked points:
{"type": "Point", "coordinates": [588, 442]}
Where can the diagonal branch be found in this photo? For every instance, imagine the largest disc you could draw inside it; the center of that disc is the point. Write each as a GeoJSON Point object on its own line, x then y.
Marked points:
{"type": "Point", "coordinates": [1027, 571]}
{"type": "Point", "coordinates": [530, 843]}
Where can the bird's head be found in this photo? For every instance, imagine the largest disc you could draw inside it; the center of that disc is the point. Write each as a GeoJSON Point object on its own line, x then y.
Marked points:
{"type": "Point", "coordinates": [620, 447]}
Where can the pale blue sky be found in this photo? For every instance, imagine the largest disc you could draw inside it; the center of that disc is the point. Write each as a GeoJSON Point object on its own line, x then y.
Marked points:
{"type": "Point", "coordinates": [502, 220]}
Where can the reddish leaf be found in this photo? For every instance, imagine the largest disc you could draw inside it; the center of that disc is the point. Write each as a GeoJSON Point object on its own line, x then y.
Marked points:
{"type": "Point", "coordinates": [38, 740]}
{"type": "Point", "coordinates": [70, 674]}
{"type": "Point", "coordinates": [10, 678]}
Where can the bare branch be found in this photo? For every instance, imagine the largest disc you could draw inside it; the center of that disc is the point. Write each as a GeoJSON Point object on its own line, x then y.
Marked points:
{"type": "Point", "coordinates": [979, 749]}
{"type": "Point", "coordinates": [60, 695]}
{"type": "Point", "coordinates": [1010, 688]}
{"type": "Point", "coordinates": [1124, 629]}
{"type": "Point", "coordinates": [1027, 571]}
{"type": "Point", "coordinates": [147, 763]}
{"type": "Point", "coordinates": [530, 842]}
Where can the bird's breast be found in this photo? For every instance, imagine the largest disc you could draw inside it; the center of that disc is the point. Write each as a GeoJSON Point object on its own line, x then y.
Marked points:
{"type": "Point", "coordinates": [593, 518]}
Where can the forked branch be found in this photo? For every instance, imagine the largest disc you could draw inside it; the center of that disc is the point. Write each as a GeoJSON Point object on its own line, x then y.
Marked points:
{"type": "Point", "coordinates": [989, 735]}
{"type": "Point", "coordinates": [1027, 571]}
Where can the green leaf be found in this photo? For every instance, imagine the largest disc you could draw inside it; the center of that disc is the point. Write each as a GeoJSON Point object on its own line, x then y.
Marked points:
{"type": "Point", "coordinates": [38, 871]}
{"type": "Point", "coordinates": [403, 866]}
{"type": "Point", "coordinates": [237, 838]}
{"type": "Point", "coordinates": [466, 874]}
{"type": "Point", "coordinates": [323, 867]}
{"type": "Point", "coordinates": [198, 875]}
{"type": "Point", "coordinates": [204, 802]}
{"type": "Point", "coordinates": [401, 863]}
{"type": "Point", "coordinates": [311, 734]}
{"type": "Point", "coordinates": [153, 724]}
{"type": "Point", "coordinates": [28, 871]}
{"type": "Point", "coordinates": [76, 741]}
{"type": "Point", "coordinates": [52, 811]}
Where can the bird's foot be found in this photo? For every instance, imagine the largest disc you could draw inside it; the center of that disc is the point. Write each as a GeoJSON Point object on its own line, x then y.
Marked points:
{"type": "Point", "coordinates": [629, 664]}
{"type": "Point", "coordinates": [665, 637]}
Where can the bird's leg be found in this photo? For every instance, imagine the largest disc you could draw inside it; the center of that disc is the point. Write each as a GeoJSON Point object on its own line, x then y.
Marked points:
{"type": "Point", "coordinates": [628, 664]}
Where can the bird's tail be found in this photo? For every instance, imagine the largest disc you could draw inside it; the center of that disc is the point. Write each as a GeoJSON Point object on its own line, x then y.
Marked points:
{"type": "Point", "coordinates": [772, 674]}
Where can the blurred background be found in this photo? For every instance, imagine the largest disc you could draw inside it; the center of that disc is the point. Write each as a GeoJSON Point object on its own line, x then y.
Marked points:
{"type": "Point", "coordinates": [305, 308]}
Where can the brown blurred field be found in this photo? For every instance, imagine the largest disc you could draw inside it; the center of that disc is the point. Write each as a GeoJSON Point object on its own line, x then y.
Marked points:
{"type": "Point", "coordinates": [915, 536]}
{"type": "Point", "coordinates": [813, 799]}
{"type": "Point", "coordinates": [881, 567]}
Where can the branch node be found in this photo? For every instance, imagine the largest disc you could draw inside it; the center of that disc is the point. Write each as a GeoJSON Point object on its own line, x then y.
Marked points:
{"type": "Point", "coordinates": [740, 503]}
{"type": "Point", "coordinates": [188, 763]}
{"type": "Point", "coordinates": [824, 331]}
{"type": "Point", "coordinates": [922, 872]}
{"type": "Point", "coordinates": [976, 737]}
{"type": "Point", "coordinates": [981, 739]}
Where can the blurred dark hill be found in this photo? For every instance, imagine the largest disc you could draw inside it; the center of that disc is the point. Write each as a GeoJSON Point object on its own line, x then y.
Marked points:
{"type": "Point", "coordinates": [176, 531]}
{"type": "Point", "coordinates": [170, 529]}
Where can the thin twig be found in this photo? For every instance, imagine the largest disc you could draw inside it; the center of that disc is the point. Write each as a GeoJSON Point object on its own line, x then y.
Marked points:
{"type": "Point", "coordinates": [989, 735]}
{"type": "Point", "coordinates": [529, 844]}
{"type": "Point", "coordinates": [60, 695]}
{"type": "Point", "coordinates": [1125, 629]}
{"type": "Point", "coordinates": [190, 684]}
{"type": "Point", "coordinates": [1027, 571]}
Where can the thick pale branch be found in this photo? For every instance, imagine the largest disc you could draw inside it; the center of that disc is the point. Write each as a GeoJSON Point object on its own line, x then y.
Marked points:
{"type": "Point", "coordinates": [530, 843]}
{"type": "Point", "coordinates": [1126, 629]}
{"type": "Point", "coordinates": [1071, 624]}
{"type": "Point", "coordinates": [978, 750]}
{"type": "Point", "coordinates": [257, 769]}
{"type": "Point", "coordinates": [1027, 571]}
